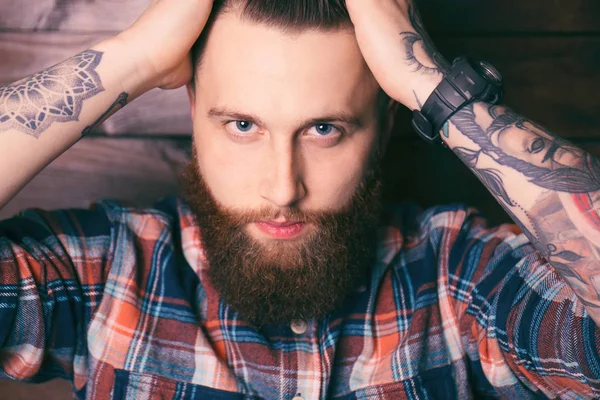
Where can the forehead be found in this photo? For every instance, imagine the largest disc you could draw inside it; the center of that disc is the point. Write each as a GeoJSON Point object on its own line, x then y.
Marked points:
{"type": "Point", "coordinates": [259, 67]}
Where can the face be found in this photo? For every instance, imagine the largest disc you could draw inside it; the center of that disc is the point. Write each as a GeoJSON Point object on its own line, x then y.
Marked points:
{"type": "Point", "coordinates": [284, 179]}
{"type": "Point", "coordinates": [548, 162]}
{"type": "Point", "coordinates": [283, 121]}
{"type": "Point", "coordinates": [530, 143]}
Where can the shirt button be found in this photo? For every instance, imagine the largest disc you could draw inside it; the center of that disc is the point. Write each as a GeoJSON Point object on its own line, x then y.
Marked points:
{"type": "Point", "coordinates": [361, 288]}
{"type": "Point", "coordinates": [299, 327]}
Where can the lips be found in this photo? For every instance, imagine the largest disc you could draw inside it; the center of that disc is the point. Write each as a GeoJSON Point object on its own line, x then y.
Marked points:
{"type": "Point", "coordinates": [281, 229]}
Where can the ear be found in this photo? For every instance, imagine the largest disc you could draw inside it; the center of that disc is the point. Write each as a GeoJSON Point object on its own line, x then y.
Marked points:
{"type": "Point", "coordinates": [391, 110]}
{"type": "Point", "coordinates": [192, 98]}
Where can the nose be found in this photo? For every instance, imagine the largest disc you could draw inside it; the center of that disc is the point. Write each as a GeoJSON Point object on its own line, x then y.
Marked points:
{"type": "Point", "coordinates": [282, 183]}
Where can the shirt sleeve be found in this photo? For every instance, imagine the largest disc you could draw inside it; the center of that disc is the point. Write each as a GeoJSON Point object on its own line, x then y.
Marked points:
{"type": "Point", "coordinates": [51, 281]}
{"type": "Point", "coordinates": [514, 314]}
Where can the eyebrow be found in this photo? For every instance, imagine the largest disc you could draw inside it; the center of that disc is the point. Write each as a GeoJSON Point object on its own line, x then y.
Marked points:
{"type": "Point", "coordinates": [344, 117]}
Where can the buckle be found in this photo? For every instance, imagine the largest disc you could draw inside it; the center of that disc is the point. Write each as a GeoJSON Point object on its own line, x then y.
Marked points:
{"type": "Point", "coordinates": [424, 128]}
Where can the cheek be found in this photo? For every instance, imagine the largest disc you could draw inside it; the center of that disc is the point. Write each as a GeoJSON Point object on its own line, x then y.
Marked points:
{"type": "Point", "coordinates": [228, 170]}
{"type": "Point", "coordinates": [332, 177]}
{"type": "Point", "coordinates": [513, 142]}
{"type": "Point", "coordinates": [331, 186]}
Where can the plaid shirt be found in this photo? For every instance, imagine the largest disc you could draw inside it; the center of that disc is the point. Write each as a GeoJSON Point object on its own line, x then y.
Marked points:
{"type": "Point", "coordinates": [117, 301]}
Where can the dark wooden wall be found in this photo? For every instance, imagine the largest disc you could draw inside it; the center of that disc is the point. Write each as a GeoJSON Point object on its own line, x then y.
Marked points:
{"type": "Point", "coordinates": [548, 51]}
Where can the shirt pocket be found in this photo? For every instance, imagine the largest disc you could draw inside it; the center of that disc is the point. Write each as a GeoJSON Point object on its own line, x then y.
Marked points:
{"type": "Point", "coordinates": [135, 386]}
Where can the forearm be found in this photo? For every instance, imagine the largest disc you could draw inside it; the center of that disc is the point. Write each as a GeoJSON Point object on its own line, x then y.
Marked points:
{"type": "Point", "coordinates": [43, 115]}
{"type": "Point", "coordinates": [550, 188]}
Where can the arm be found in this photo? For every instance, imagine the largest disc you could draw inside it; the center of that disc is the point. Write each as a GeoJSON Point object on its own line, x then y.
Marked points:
{"type": "Point", "coordinates": [43, 115]}
{"type": "Point", "coordinates": [550, 187]}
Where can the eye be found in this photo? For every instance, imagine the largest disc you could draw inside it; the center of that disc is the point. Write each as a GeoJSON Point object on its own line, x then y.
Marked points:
{"type": "Point", "coordinates": [324, 129]}
{"type": "Point", "coordinates": [537, 145]}
{"type": "Point", "coordinates": [239, 127]}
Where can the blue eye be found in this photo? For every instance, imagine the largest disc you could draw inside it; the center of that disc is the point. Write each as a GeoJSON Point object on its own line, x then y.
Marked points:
{"type": "Point", "coordinates": [324, 129]}
{"type": "Point", "coordinates": [243, 126]}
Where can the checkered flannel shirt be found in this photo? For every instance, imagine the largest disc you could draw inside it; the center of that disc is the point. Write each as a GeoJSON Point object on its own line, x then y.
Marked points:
{"type": "Point", "coordinates": [117, 300]}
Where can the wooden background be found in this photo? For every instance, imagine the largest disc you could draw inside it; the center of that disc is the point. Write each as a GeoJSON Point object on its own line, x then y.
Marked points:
{"type": "Point", "coordinates": [548, 51]}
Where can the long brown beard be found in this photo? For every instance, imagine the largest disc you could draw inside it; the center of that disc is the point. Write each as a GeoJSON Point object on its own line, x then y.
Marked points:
{"type": "Point", "coordinates": [276, 282]}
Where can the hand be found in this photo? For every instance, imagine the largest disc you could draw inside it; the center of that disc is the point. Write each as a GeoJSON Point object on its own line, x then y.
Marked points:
{"type": "Point", "coordinates": [161, 40]}
{"type": "Point", "coordinates": [397, 49]}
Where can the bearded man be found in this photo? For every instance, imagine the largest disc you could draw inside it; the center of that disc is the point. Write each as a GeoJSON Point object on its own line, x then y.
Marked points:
{"type": "Point", "coordinates": [280, 274]}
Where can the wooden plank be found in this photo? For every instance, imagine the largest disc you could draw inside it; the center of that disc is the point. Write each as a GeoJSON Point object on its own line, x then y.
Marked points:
{"type": "Point", "coordinates": [551, 80]}
{"type": "Point", "coordinates": [133, 170]}
{"type": "Point", "coordinates": [531, 16]}
{"type": "Point", "coordinates": [439, 15]}
{"type": "Point", "coordinates": [30, 14]}
{"type": "Point", "coordinates": [99, 15]}
{"type": "Point", "coordinates": [70, 15]}
{"type": "Point", "coordinates": [158, 111]}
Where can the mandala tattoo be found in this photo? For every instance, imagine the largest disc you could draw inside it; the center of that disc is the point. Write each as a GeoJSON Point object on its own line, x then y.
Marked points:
{"type": "Point", "coordinates": [55, 94]}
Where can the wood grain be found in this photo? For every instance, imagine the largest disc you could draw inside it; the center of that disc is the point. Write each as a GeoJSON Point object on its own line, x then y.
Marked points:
{"type": "Point", "coordinates": [99, 15]}
{"type": "Point", "coordinates": [510, 16]}
{"type": "Point", "coordinates": [70, 15]}
{"type": "Point", "coordinates": [26, 14]}
{"type": "Point", "coordinates": [138, 171]}
{"type": "Point", "coordinates": [550, 80]}
{"type": "Point", "coordinates": [456, 16]}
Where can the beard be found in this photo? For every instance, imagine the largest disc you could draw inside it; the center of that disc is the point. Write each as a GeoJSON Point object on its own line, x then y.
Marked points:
{"type": "Point", "coordinates": [277, 281]}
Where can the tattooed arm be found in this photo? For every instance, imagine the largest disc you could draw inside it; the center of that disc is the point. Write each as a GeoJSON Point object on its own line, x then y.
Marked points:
{"type": "Point", "coordinates": [43, 115]}
{"type": "Point", "coordinates": [550, 187]}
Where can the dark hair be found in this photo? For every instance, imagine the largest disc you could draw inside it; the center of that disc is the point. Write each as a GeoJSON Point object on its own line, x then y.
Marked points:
{"type": "Point", "coordinates": [289, 15]}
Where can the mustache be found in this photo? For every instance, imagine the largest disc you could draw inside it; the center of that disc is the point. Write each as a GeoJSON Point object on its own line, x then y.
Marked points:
{"type": "Point", "coordinates": [241, 217]}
